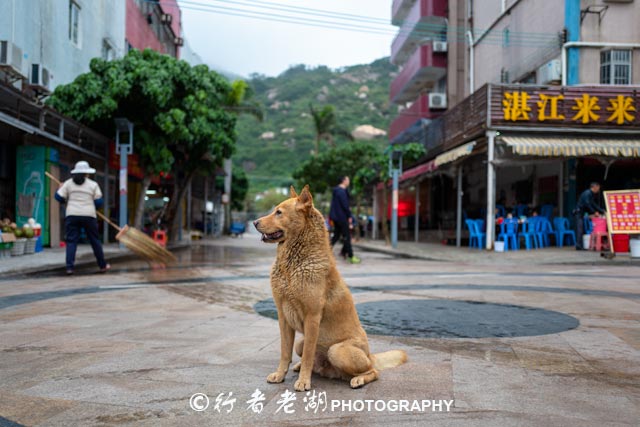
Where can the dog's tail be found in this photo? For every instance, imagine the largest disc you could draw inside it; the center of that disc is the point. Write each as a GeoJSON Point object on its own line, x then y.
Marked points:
{"type": "Point", "coordinates": [389, 359]}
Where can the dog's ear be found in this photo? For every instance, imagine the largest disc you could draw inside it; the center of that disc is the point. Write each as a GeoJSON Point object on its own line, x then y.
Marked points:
{"type": "Point", "coordinates": [292, 192]}
{"type": "Point", "coordinates": [305, 201]}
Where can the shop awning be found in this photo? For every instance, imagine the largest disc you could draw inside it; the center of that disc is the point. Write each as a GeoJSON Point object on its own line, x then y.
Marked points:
{"type": "Point", "coordinates": [572, 147]}
{"type": "Point", "coordinates": [418, 170]}
{"type": "Point", "coordinates": [455, 154]}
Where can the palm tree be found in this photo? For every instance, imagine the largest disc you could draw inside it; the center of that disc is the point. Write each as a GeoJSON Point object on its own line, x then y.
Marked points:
{"type": "Point", "coordinates": [326, 126]}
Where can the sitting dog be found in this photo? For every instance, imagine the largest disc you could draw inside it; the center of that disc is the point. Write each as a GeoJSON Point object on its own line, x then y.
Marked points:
{"type": "Point", "coordinates": [312, 298]}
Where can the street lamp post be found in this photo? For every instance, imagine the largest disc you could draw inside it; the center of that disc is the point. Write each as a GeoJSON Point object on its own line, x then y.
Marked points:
{"type": "Point", "coordinates": [123, 149]}
{"type": "Point", "coordinates": [395, 166]}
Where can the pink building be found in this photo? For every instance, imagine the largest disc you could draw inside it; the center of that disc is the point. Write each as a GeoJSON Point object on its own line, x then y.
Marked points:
{"type": "Point", "coordinates": [420, 50]}
{"type": "Point", "coordinates": [154, 25]}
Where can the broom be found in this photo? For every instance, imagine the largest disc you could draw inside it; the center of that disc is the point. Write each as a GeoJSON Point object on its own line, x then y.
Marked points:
{"type": "Point", "coordinates": [135, 240]}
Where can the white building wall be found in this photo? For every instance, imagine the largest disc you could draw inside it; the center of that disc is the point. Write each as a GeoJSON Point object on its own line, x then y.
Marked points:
{"type": "Point", "coordinates": [41, 29]}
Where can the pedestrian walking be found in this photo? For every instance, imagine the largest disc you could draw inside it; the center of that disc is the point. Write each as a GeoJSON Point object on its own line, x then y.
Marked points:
{"type": "Point", "coordinates": [340, 214]}
{"type": "Point", "coordinates": [82, 196]}
{"type": "Point", "coordinates": [587, 204]}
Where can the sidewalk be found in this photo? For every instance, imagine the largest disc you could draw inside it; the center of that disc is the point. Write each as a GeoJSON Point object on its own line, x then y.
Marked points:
{"type": "Point", "coordinates": [464, 255]}
{"type": "Point", "coordinates": [54, 258]}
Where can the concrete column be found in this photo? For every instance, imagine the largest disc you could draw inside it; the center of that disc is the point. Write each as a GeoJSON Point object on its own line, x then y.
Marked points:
{"type": "Point", "coordinates": [459, 208]}
{"type": "Point", "coordinates": [491, 189]}
{"type": "Point", "coordinates": [189, 209]}
{"type": "Point", "coordinates": [206, 196]}
{"type": "Point", "coordinates": [105, 226]}
{"type": "Point", "coordinates": [416, 225]}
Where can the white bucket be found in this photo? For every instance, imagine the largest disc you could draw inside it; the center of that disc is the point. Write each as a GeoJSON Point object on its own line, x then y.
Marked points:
{"type": "Point", "coordinates": [499, 246]}
{"type": "Point", "coordinates": [586, 241]}
{"type": "Point", "coordinates": [634, 247]}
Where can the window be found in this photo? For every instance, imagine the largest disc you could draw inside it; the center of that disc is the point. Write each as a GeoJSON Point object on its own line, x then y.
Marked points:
{"type": "Point", "coordinates": [615, 67]}
{"type": "Point", "coordinates": [506, 37]}
{"type": "Point", "coordinates": [108, 50]}
{"type": "Point", "coordinates": [74, 22]}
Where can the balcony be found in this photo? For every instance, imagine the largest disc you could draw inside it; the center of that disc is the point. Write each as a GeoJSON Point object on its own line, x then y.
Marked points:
{"type": "Point", "coordinates": [425, 21]}
{"type": "Point", "coordinates": [399, 11]}
{"type": "Point", "coordinates": [420, 73]}
{"type": "Point", "coordinates": [418, 111]}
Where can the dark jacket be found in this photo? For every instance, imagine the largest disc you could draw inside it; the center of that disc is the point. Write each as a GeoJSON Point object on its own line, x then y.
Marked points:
{"type": "Point", "coordinates": [340, 211]}
{"type": "Point", "coordinates": [587, 203]}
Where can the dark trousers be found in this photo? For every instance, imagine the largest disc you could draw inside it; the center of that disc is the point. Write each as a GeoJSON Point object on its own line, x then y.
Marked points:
{"type": "Point", "coordinates": [73, 225]}
{"type": "Point", "coordinates": [341, 228]}
{"type": "Point", "coordinates": [579, 230]}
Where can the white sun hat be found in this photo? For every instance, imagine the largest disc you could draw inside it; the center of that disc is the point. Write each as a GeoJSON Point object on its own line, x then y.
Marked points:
{"type": "Point", "coordinates": [83, 167]}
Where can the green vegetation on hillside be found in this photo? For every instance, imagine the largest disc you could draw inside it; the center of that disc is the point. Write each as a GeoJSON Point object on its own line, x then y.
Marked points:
{"type": "Point", "coordinates": [270, 151]}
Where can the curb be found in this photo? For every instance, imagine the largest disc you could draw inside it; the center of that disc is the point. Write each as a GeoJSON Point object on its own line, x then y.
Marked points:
{"type": "Point", "coordinates": [397, 254]}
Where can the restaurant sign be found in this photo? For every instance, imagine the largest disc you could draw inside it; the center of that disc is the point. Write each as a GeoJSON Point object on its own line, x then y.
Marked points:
{"type": "Point", "coordinates": [623, 211]}
{"type": "Point", "coordinates": [597, 106]}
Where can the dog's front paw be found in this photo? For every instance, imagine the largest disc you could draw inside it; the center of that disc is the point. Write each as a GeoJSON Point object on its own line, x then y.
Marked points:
{"type": "Point", "coordinates": [302, 385]}
{"type": "Point", "coordinates": [276, 377]}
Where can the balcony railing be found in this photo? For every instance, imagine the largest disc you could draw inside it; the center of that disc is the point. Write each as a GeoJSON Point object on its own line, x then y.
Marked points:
{"type": "Point", "coordinates": [399, 10]}
{"type": "Point", "coordinates": [425, 21]}
{"type": "Point", "coordinates": [409, 116]}
{"type": "Point", "coordinates": [420, 73]}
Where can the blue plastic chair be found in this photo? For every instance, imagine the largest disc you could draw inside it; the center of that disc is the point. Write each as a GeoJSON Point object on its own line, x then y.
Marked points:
{"type": "Point", "coordinates": [476, 236]}
{"type": "Point", "coordinates": [588, 225]}
{"type": "Point", "coordinates": [521, 210]}
{"type": "Point", "coordinates": [547, 211]}
{"type": "Point", "coordinates": [480, 223]}
{"type": "Point", "coordinates": [563, 229]}
{"type": "Point", "coordinates": [509, 234]}
{"type": "Point", "coordinates": [529, 233]}
{"type": "Point", "coordinates": [543, 230]}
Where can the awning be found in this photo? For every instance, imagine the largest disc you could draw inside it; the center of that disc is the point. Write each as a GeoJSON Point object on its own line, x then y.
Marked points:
{"type": "Point", "coordinates": [572, 147]}
{"type": "Point", "coordinates": [455, 154]}
{"type": "Point", "coordinates": [418, 170]}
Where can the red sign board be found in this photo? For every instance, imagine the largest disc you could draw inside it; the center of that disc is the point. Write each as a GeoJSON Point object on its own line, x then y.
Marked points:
{"type": "Point", "coordinates": [133, 164]}
{"type": "Point", "coordinates": [623, 211]}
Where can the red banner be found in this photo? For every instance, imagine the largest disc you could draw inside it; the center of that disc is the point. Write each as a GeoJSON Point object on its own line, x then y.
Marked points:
{"type": "Point", "coordinates": [623, 211]}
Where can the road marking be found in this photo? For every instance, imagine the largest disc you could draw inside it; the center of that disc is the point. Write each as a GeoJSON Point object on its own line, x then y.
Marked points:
{"type": "Point", "coordinates": [122, 286]}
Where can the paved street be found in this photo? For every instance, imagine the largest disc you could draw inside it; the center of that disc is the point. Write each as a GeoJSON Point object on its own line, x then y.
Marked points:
{"type": "Point", "coordinates": [516, 344]}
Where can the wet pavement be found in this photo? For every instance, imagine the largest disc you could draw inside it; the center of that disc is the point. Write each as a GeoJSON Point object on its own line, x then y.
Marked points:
{"type": "Point", "coordinates": [510, 344]}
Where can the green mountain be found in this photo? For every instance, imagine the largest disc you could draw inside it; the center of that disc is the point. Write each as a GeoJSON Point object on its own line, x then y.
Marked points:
{"type": "Point", "coordinates": [269, 151]}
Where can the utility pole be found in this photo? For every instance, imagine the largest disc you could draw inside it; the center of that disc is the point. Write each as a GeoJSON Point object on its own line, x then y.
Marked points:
{"type": "Point", "coordinates": [395, 166]}
{"type": "Point", "coordinates": [123, 149]}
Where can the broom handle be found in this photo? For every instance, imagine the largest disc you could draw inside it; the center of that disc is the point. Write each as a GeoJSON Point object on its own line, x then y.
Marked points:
{"type": "Point", "coordinates": [100, 214]}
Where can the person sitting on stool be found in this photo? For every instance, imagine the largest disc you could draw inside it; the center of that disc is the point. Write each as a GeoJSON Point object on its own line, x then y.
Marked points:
{"type": "Point", "coordinates": [586, 204]}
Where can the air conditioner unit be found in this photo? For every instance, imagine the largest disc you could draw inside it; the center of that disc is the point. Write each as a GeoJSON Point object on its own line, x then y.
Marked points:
{"type": "Point", "coordinates": [39, 76]}
{"type": "Point", "coordinates": [439, 46]}
{"type": "Point", "coordinates": [11, 55]}
{"type": "Point", "coordinates": [551, 72]}
{"type": "Point", "coordinates": [178, 41]}
{"type": "Point", "coordinates": [166, 18]}
{"type": "Point", "coordinates": [437, 101]}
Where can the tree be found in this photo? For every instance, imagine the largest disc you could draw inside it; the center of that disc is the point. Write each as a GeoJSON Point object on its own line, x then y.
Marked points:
{"type": "Point", "coordinates": [182, 118]}
{"type": "Point", "coordinates": [326, 126]}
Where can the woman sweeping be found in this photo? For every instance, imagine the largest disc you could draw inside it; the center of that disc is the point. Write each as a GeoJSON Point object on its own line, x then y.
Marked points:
{"type": "Point", "coordinates": [82, 196]}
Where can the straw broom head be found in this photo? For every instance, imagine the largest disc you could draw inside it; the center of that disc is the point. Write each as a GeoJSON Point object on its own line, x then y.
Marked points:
{"type": "Point", "coordinates": [144, 246]}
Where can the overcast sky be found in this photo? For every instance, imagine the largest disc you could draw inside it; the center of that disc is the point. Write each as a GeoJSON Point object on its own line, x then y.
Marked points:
{"type": "Point", "coordinates": [245, 45]}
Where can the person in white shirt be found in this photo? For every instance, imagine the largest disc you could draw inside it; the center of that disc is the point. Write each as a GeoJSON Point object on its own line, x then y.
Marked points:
{"type": "Point", "coordinates": [82, 196]}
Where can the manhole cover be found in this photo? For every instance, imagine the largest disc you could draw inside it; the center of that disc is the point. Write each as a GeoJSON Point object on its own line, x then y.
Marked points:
{"type": "Point", "coordinates": [451, 319]}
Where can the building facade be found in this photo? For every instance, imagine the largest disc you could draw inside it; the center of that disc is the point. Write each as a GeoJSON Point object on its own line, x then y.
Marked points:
{"type": "Point", "coordinates": [155, 25]}
{"type": "Point", "coordinates": [51, 43]}
{"type": "Point", "coordinates": [543, 97]}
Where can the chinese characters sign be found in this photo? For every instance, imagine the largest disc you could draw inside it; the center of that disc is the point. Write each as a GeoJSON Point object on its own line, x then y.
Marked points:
{"type": "Point", "coordinates": [623, 211]}
{"type": "Point", "coordinates": [566, 106]}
